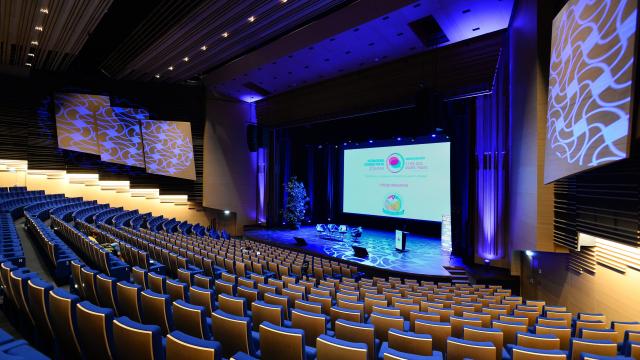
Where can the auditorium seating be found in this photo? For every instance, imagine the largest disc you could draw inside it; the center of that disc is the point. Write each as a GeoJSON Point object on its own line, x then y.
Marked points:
{"type": "Point", "coordinates": [213, 309]}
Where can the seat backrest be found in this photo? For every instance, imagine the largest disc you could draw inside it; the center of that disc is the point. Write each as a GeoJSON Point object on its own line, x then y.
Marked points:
{"type": "Point", "coordinates": [248, 293]}
{"type": "Point", "coordinates": [439, 331]}
{"type": "Point", "coordinates": [621, 327]}
{"type": "Point", "coordinates": [509, 330]}
{"type": "Point", "coordinates": [202, 297]}
{"type": "Point", "coordinates": [39, 305]}
{"type": "Point", "coordinates": [262, 311]}
{"type": "Point", "coordinates": [596, 347]}
{"type": "Point", "coordinates": [599, 334]}
{"type": "Point", "coordinates": [133, 340]}
{"type": "Point", "coordinates": [107, 293]}
{"type": "Point", "coordinates": [232, 304]}
{"type": "Point", "coordinates": [538, 341]}
{"type": "Point", "coordinates": [190, 319]}
{"type": "Point", "coordinates": [278, 342]}
{"type": "Point", "coordinates": [329, 348]}
{"type": "Point", "coordinates": [410, 342]}
{"type": "Point", "coordinates": [313, 324]}
{"type": "Point", "coordinates": [184, 346]}
{"type": "Point", "coordinates": [492, 335]}
{"type": "Point", "coordinates": [156, 310]}
{"type": "Point", "coordinates": [383, 323]}
{"type": "Point", "coordinates": [232, 332]}
{"type": "Point", "coordinates": [563, 333]}
{"type": "Point", "coordinates": [62, 315]}
{"type": "Point", "coordinates": [276, 299]}
{"type": "Point", "coordinates": [356, 332]}
{"type": "Point", "coordinates": [459, 349]}
{"type": "Point", "coordinates": [567, 316]}
{"type": "Point", "coordinates": [177, 290]}
{"type": "Point", "coordinates": [308, 306]}
{"type": "Point", "coordinates": [551, 322]}
{"type": "Point", "coordinates": [95, 334]}
{"type": "Point", "coordinates": [129, 300]}
{"type": "Point", "coordinates": [157, 283]}
{"type": "Point", "coordinates": [88, 276]}
{"type": "Point", "coordinates": [458, 323]}
{"type": "Point", "coordinates": [419, 315]}
{"type": "Point", "coordinates": [524, 353]}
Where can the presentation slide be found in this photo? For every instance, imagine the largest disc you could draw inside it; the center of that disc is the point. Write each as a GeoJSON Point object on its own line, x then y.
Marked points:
{"type": "Point", "coordinates": [406, 182]}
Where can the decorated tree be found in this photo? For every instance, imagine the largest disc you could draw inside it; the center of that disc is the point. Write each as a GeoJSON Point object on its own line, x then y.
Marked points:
{"type": "Point", "coordinates": [296, 202]}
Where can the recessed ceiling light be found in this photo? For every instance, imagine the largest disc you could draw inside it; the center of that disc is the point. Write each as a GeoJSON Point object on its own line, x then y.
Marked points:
{"type": "Point", "coordinates": [283, 1]}
{"type": "Point", "coordinates": [39, 28]}
{"type": "Point", "coordinates": [170, 68]}
{"type": "Point", "coordinates": [34, 43]}
{"type": "Point", "coordinates": [225, 34]}
{"type": "Point", "coordinates": [44, 10]}
{"type": "Point", "coordinates": [203, 47]}
{"type": "Point", "coordinates": [185, 59]}
{"type": "Point", "coordinates": [252, 18]}
{"type": "Point", "coordinates": [27, 64]}
{"type": "Point", "coordinates": [31, 54]}
{"type": "Point", "coordinates": [157, 76]}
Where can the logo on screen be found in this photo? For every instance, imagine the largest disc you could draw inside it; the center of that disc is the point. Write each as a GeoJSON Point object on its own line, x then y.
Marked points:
{"type": "Point", "coordinates": [393, 205]}
{"type": "Point", "coordinates": [395, 163]}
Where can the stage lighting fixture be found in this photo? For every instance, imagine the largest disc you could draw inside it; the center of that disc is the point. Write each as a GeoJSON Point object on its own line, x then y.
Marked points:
{"type": "Point", "coordinates": [433, 135]}
{"type": "Point", "coordinates": [487, 261]}
{"type": "Point", "coordinates": [227, 212]}
{"type": "Point", "coordinates": [203, 47]}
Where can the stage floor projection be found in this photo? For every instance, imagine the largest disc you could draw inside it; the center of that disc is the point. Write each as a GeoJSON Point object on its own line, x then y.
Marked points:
{"type": "Point", "coordinates": [424, 255]}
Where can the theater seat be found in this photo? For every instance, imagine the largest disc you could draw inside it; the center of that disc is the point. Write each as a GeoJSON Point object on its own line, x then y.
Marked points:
{"type": "Point", "coordinates": [358, 333]}
{"type": "Point", "coordinates": [313, 324]}
{"type": "Point", "coordinates": [596, 347]}
{"type": "Point", "coordinates": [459, 349]}
{"type": "Point", "coordinates": [329, 348]}
{"type": "Point", "coordinates": [262, 311]}
{"type": "Point", "coordinates": [182, 346]}
{"type": "Point", "coordinates": [107, 293]}
{"type": "Point", "coordinates": [156, 310]}
{"type": "Point", "coordinates": [233, 332]}
{"type": "Point", "coordinates": [129, 300]}
{"type": "Point", "coordinates": [409, 342]}
{"type": "Point", "coordinates": [20, 350]}
{"type": "Point", "coordinates": [39, 291]}
{"type": "Point", "coordinates": [62, 314]}
{"type": "Point", "coordinates": [95, 331]}
{"type": "Point", "coordinates": [391, 354]}
{"type": "Point", "coordinates": [133, 340]}
{"type": "Point", "coordinates": [439, 331]}
{"type": "Point", "coordinates": [524, 353]}
{"type": "Point", "coordinates": [232, 304]}
{"type": "Point", "coordinates": [191, 319]}
{"type": "Point", "coordinates": [492, 335]}
{"type": "Point", "coordinates": [538, 341]}
{"type": "Point", "coordinates": [278, 342]}
{"type": "Point", "coordinates": [383, 323]}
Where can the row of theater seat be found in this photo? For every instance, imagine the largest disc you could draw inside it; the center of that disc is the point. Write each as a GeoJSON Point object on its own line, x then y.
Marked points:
{"type": "Point", "coordinates": [57, 251]}
{"type": "Point", "coordinates": [11, 348]}
{"type": "Point", "coordinates": [383, 319]}
{"type": "Point", "coordinates": [10, 246]}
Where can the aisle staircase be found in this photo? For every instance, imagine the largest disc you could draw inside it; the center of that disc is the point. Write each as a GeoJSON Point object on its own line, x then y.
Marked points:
{"type": "Point", "coordinates": [458, 274]}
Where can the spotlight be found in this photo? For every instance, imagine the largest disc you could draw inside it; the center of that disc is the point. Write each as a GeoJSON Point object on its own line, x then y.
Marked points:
{"type": "Point", "coordinates": [487, 261]}
{"type": "Point", "coordinates": [170, 68]}
{"type": "Point", "coordinates": [39, 28]}
{"type": "Point", "coordinates": [529, 253]}
{"type": "Point", "coordinates": [203, 47]}
{"type": "Point", "coordinates": [433, 135]}
{"type": "Point", "coordinates": [185, 59]}
{"type": "Point", "coordinates": [283, 1]}
{"type": "Point", "coordinates": [44, 10]}
{"type": "Point", "coordinates": [227, 212]}
{"type": "Point", "coordinates": [34, 43]}
{"type": "Point", "coordinates": [252, 19]}
{"type": "Point", "coordinates": [399, 139]}
{"type": "Point", "coordinates": [31, 54]}
{"type": "Point", "coordinates": [27, 64]}
{"type": "Point", "coordinates": [370, 141]}
{"type": "Point", "coordinates": [157, 76]}
{"type": "Point", "coordinates": [225, 34]}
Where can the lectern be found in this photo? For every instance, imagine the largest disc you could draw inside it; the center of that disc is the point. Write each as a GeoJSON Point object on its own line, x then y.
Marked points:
{"type": "Point", "coordinates": [401, 240]}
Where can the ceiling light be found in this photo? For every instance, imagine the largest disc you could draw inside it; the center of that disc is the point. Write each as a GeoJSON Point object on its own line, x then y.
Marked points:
{"type": "Point", "coordinates": [157, 76]}
{"type": "Point", "coordinates": [39, 28]}
{"type": "Point", "coordinates": [170, 68]}
{"type": "Point", "coordinates": [203, 47]}
{"type": "Point", "coordinates": [225, 34]}
{"type": "Point", "coordinates": [185, 59]}
{"type": "Point", "coordinates": [44, 10]}
{"type": "Point", "coordinates": [31, 54]}
{"type": "Point", "coordinates": [252, 19]}
{"type": "Point", "coordinates": [34, 43]}
{"type": "Point", "coordinates": [28, 64]}
{"type": "Point", "coordinates": [283, 1]}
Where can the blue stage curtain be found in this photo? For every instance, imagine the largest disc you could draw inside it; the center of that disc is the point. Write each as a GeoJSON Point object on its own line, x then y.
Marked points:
{"type": "Point", "coordinates": [492, 143]}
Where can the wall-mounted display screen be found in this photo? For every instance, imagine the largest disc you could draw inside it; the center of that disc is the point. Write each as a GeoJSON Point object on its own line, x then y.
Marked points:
{"type": "Point", "coordinates": [168, 149]}
{"type": "Point", "coordinates": [119, 136]}
{"type": "Point", "coordinates": [76, 119]}
{"type": "Point", "coordinates": [590, 86]}
{"type": "Point", "coordinates": [406, 182]}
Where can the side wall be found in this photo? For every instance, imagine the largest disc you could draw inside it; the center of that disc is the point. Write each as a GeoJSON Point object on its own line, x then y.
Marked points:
{"type": "Point", "coordinates": [230, 179]}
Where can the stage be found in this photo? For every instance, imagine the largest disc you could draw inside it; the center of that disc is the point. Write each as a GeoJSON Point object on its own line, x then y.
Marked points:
{"type": "Point", "coordinates": [424, 257]}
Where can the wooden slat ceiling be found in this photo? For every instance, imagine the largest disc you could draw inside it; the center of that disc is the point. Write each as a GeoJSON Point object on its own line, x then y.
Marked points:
{"type": "Point", "coordinates": [65, 24]}
{"type": "Point", "coordinates": [153, 47]}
